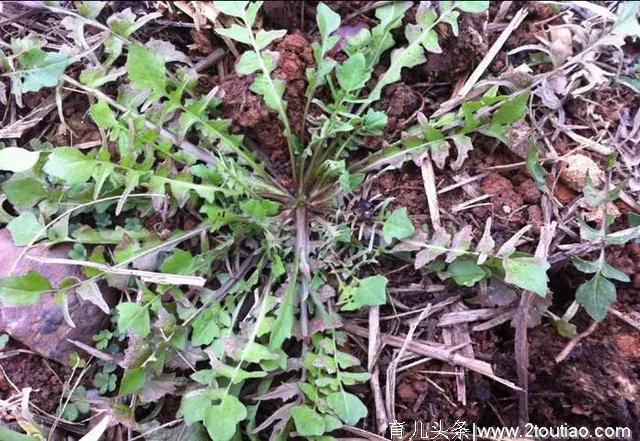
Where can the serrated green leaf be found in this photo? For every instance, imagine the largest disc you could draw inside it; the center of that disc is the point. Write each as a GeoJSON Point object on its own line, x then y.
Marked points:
{"type": "Point", "coordinates": [527, 273]}
{"type": "Point", "coordinates": [466, 272]}
{"type": "Point", "coordinates": [23, 192]}
{"type": "Point", "coordinates": [260, 209]}
{"type": "Point", "coordinates": [510, 111]}
{"type": "Point", "coordinates": [23, 290]}
{"type": "Point", "coordinates": [308, 421]}
{"type": "Point", "coordinates": [146, 71]}
{"type": "Point", "coordinates": [596, 295]}
{"type": "Point", "coordinates": [272, 95]}
{"type": "Point", "coordinates": [347, 406]}
{"type": "Point", "coordinates": [472, 6]}
{"type": "Point", "coordinates": [374, 122]}
{"type": "Point", "coordinates": [265, 38]}
{"type": "Point", "coordinates": [222, 420]}
{"type": "Point", "coordinates": [25, 229]}
{"type": "Point", "coordinates": [283, 325]}
{"type": "Point", "coordinates": [397, 226]}
{"type": "Point", "coordinates": [463, 146]}
{"type": "Point", "coordinates": [612, 273]}
{"type": "Point", "coordinates": [70, 165]}
{"type": "Point", "coordinates": [16, 159]}
{"type": "Point", "coordinates": [133, 316]}
{"type": "Point", "coordinates": [588, 267]}
{"type": "Point", "coordinates": [132, 381]}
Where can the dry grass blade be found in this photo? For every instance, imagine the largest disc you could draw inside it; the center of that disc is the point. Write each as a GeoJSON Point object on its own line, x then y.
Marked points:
{"type": "Point", "coordinates": [493, 51]}
{"type": "Point", "coordinates": [429, 179]}
{"type": "Point", "coordinates": [145, 276]}
{"type": "Point", "coordinates": [436, 352]}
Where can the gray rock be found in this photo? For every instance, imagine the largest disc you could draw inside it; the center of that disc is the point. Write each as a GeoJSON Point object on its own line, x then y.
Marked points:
{"type": "Point", "coordinates": [41, 326]}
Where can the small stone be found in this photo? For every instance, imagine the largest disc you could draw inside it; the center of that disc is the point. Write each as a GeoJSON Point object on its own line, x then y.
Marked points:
{"type": "Point", "coordinates": [506, 209]}
{"type": "Point", "coordinates": [42, 326]}
{"type": "Point", "coordinates": [575, 171]}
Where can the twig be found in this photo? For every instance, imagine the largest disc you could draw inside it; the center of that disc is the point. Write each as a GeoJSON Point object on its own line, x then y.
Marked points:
{"type": "Point", "coordinates": [574, 341]}
{"type": "Point", "coordinates": [374, 345]}
{"type": "Point", "coordinates": [522, 323]}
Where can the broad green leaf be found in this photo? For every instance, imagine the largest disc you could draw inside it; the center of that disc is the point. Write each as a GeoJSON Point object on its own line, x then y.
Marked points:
{"type": "Point", "coordinates": [194, 405]}
{"type": "Point", "coordinates": [205, 329]}
{"type": "Point", "coordinates": [102, 115]}
{"type": "Point", "coordinates": [222, 420]}
{"type": "Point", "coordinates": [91, 9]}
{"type": "Point", "coordinates": [347, 406]}
{"type": "Point", "coordinates": [612, 273]}
{"type": "Point", "coordinates": [16, 159]}
{"type": "Point", "coordinates": [237, 33]}
{"type": "Point", "coordinates": [259, 209]}
{"type": "Point", "coordinates": [596, 295]}
{"type": "Point", "coordinates": [397, 226]}
{"type": "Point", "coordinates": [233, 8]}
{"type": "Point", "coordinates": [371, 291]}
{"type": "Point", "coordinates": [133, 316]}
{"type": "Point", "coordinates": [527, 273]}
{"type": "Point", "coordinates": [265, 38]}
{"type": "Point", "coordinates": [23, 192]}
{"type": "Point", "coordinates": [466, 272]}
{"type": "Point", "coordinates": [308, 421]}
{"type": "Point", "coordinates": [70, 165]}
{"type": "Point", "coordinates": [472, 6]}
{"type": "Point", "coordinates": [180, 262]}
{"type": "Point", "coordinates": [40, 69]}
{"type": "Point", "coordinates": [146, 71]}
{"type": "Point", "coordinates": [328, 21]}
{"type": "Point", "coordinates": [451, 17]}
{"type": "Point", "coordinates": [23, 290]}
{"type": "Point", "coordinates": [511, 111]}
{"type": "Point", "coordinates": [248, 63]}
{"type": "Point", "coordinates": [132, 381]}
{"type": "Point", "coordinates": [353, 73]}
{"type": "Point", "coordinates": [627, 22]}
{"type": "Point", "coordinates": [25, 229]}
